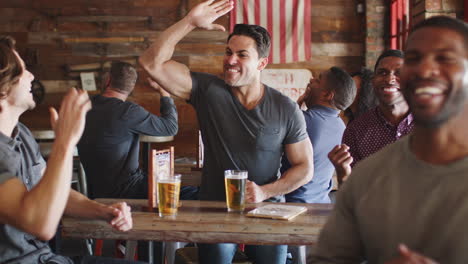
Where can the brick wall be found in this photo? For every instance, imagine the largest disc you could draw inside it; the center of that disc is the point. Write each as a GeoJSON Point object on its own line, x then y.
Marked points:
{"type": "Point", "coordinates": [422, 9]}
{"type": "Point", "coordinates": [377, 17]}
{"type": "Point", "coordinates": [376, 14]}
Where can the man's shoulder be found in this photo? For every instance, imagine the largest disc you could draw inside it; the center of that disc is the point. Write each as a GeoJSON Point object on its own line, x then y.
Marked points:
{"type": "Point", "coordinates": [280, 99]}
{"type": "Point", "coordinates": [205, 79]}
{"type": "Point", "coordinates": [203, 75]}
{"type": "Point", "coordinates": [26, 135]}
{"type": "Point", "coordinates": [24, 130]}
{"type": "Point", "coordinates": [322, 113]}
{"type": "Point", "coordinates": [115, 102]}
{"type": "Point", "coordinates": [117, 106]}
{"type": "Point", "coordinates": [206, 86]}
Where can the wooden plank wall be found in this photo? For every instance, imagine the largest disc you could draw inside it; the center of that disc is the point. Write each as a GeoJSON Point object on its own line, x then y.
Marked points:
{"type": "Point", "coordinates": [59, 39]}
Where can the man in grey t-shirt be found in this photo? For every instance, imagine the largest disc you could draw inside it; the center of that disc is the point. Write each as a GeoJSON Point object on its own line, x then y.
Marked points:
{"type": "Point", "coordinates": [244, 124]}
{"type": "Point", "coordinates": [407, 203]}
{"type": "Point", "coordinates": [33, 196]}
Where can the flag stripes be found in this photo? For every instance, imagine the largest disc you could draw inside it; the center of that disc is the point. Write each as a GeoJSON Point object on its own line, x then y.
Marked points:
{"type": "Point", "coordinates": [287, 21]}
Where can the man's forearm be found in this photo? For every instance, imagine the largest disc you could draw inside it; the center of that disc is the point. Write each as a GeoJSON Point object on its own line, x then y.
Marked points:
{"type": "Point", "coordinates": [293, 178]}
{"type": "Point", "coordinates": [168, 109]}
{"type": "Point", "coordinates": [79, 205]}
{"type": "Point", "coordinates": [162, 49]}
{"type": "Point", "coordinates": [44, 204]}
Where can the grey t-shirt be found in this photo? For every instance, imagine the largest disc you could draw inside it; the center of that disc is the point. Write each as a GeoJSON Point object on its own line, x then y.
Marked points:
{"type": "Point", "coordinates": [20, 158]}
{"type": "Point", "coordinates": [393, 197]}
{"type": "Point", "coordinates": [237, 138]}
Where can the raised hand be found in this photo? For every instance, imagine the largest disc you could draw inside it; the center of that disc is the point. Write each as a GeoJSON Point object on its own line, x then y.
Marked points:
{"type": "Point", "coordinates": [157, 87]}
{"type": "Point", "coordinates": [341, 159]}
{"type": "Point", "coordinates": [69, 122]}
{"type": "Point", "coordinates": [408, 256]}
{"type": "Point", "coordinates": [204, 14]}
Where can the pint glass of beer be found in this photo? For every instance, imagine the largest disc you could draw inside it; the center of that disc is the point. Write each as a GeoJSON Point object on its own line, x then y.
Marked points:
{"type": "Point", "coordinates": [235, 181]}
{"type": "Point", "coordinates": [168, 195]}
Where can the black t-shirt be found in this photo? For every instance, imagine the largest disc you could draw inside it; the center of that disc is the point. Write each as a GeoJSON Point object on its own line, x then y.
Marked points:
{"type": "Point", "coordinates": [237, 138]}
{"type": "Point", "coordinates": [109, 146]}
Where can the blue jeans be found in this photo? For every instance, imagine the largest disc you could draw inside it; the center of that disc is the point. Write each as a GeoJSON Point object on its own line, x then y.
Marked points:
{"type": "Point", "coordinates": [223, 253]}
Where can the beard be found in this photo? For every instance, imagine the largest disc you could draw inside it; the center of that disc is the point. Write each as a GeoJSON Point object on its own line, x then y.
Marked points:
{"type": "Point", "coordinates": [451, 108]}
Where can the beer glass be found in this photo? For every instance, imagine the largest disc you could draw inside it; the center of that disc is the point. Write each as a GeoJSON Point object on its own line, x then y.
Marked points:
{"type": "Point", "coordinates": [235, 181]}
{"type": "Point", "coordinates": [168, 195]}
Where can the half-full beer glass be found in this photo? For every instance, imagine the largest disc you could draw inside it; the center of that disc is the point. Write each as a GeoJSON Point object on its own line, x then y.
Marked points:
{"type": "Point", "coordinates": [235, 181]}
{"type": "Point", "coordinates": [168, 195]}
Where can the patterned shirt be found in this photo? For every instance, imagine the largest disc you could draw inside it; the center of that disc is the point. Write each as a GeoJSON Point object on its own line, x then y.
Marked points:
{"type": "Point", "coordinates": [371, 131]}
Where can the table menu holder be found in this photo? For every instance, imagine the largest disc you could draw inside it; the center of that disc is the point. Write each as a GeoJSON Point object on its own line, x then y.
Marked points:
{"type": "Point", "coordinates": [161, 162]}
{"type": "Point", "coordinates": [277, 211]}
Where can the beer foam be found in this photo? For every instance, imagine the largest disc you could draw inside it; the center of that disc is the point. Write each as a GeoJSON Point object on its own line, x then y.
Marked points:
{"type": "Point", "coordinates": [236, 176]}
{"type": "Point", "coordinates": [169, 181]}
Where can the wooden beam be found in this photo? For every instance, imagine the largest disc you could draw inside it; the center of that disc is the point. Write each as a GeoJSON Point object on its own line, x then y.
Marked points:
{"type": "Point", "coordinates": [107, 19]}
{"type": "Point", "coordinates": [337, 49]}
{"type": "Point", "coordinates": [94, 66]}
{"type": "Point", "coordinates": [199, 36]}
{"type": "Point", "coordinates": [104, 40]}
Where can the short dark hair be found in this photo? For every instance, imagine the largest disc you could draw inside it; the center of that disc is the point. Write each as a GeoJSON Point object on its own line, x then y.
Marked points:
{"type": "Point", "coordinates": [10, 66]}
{"type": "Point", "coordinates": [344, 87]}
{"type": "Point", "coordinates": [123, 76]}
{"type": "Point", "coordinates": [447, 22]}
{"type": "Point", "coordinates": [367, 98]}
{"type": "Point", "coordinates": [257, 33]}
{"type": "Point", "coordinates": [389, 53]}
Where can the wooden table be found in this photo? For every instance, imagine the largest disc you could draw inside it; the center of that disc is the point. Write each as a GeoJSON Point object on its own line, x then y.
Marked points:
{"type": "Point", "coordinates": [206, 222]}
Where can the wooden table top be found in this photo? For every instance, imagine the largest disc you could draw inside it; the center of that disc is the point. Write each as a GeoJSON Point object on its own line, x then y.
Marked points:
{"type": "Point", "coordinates": [206, 222]}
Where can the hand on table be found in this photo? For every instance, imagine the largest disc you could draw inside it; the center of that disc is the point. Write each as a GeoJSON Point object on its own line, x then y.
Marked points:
{"type": "Point", "coordinates": [408, 256]}
{"type": "Point", "coordinates": [120, 216]}
{"type": "Point", "coordinates": [254, 193]}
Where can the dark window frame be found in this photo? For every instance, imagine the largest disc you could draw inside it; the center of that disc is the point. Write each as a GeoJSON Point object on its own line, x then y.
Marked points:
{"type": "Point", "coordinates": [466, 10]}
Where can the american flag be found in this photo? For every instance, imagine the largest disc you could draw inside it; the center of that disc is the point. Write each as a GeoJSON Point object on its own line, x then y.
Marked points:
{"type": "Point", "coordinates": [287, 21]}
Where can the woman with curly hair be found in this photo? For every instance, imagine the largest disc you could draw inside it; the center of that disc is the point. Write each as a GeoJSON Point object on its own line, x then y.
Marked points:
{"type": "Point", "coordinates": [365, 97]}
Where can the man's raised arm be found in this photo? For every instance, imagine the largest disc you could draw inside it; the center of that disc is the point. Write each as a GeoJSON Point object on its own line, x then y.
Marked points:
{"type": "Point", "coordinates": [174, 77]}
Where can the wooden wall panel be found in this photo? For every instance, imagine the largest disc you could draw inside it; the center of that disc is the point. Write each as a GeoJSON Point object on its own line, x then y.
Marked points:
{"type": "Point", "coordinates": [56, 36]}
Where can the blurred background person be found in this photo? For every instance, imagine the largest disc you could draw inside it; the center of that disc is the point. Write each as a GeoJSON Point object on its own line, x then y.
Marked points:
{"type": "Point", "coordinates": [365, 98]}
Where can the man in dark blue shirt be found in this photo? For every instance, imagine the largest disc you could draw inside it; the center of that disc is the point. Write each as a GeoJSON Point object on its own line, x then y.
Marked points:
{"type": "Point", "coordinates": [109, 147]}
